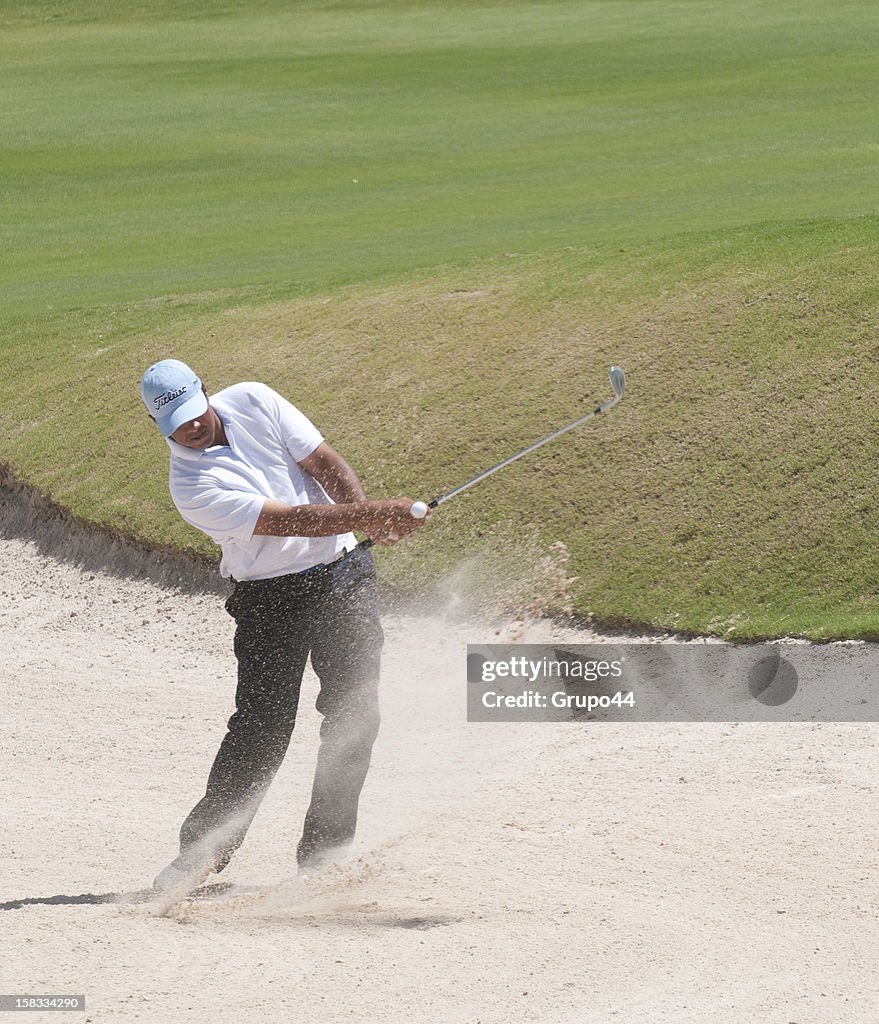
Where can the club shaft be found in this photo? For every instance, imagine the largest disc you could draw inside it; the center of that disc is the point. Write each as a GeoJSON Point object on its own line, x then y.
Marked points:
{"type": "Point", "coordinates": [618, 383]}
{"type": "Point", "coordinates": [524, 451]}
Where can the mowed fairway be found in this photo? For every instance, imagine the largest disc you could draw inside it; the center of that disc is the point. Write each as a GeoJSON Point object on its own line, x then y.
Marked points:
{"type": "Point", "coordinates": [332, 142]}
{"type": "Point", "coordinates": [435, 226]}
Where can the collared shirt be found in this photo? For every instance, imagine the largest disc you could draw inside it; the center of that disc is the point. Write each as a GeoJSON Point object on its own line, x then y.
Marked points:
{"type": "Point", "coordinates": [222, 489]}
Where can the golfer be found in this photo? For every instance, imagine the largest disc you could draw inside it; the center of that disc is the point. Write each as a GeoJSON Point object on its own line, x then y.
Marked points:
{"type": "Point", "coordinates": [254, 474]}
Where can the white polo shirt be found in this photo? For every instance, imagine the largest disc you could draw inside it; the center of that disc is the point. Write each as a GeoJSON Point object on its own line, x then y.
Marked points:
{"type": "Point", "coordinates": [221, 490]}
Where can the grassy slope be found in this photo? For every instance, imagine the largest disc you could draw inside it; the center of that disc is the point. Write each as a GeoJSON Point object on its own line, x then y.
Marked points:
{"type": "Point", "coordinates": [187, 185]}
{"type": "Point", "coordinates": [733, 489]}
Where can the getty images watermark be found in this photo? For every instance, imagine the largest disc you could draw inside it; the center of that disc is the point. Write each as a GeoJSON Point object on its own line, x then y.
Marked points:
{"type": "Point", "coordinates": [704, 682]}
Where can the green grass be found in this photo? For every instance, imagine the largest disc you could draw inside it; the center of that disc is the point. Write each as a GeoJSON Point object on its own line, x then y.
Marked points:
{"type": "Point", "coordinates": [435, 226]}
{"type": "Point", "coordinates": [325, 143]}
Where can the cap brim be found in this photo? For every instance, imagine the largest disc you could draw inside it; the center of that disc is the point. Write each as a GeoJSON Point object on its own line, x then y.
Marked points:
{"type": "Point", "coordinates": [190, 410]}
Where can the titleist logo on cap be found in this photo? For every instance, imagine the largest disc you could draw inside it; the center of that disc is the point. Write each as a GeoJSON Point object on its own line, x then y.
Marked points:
{"type": "Point", "coordinates": [169, 396]}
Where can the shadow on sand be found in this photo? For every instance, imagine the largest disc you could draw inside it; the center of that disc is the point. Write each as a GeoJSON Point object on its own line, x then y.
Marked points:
{"type": "Point", "coordinates": [318, 916]}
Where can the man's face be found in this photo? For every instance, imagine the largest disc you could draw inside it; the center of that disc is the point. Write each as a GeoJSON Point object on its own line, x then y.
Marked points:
{"type": "Point", "coordinates": [203, 432]}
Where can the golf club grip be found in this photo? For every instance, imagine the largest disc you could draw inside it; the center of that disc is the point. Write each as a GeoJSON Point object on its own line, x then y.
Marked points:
{"type": "Point", "coordinates": [369, 542]}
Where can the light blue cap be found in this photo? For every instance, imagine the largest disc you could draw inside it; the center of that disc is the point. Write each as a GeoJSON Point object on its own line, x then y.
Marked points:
{"type": "Point", "coordinates": [172, 393]}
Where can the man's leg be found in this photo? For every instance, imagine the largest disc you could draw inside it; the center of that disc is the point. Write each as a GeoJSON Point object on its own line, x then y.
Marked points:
{"type": "Point", "coordinates": [345, 655]}
{"type": "Point", "coordinates": [271, 645]}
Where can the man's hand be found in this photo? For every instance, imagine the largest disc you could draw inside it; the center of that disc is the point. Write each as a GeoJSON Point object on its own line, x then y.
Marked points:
{"type": "Point", "coordinates": [391, 521]}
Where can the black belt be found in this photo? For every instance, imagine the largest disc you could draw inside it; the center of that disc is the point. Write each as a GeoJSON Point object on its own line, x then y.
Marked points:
{"type": "Point", "coordinates": [303, 573]}
{"type": "Point", "coordinates": [324, 565]}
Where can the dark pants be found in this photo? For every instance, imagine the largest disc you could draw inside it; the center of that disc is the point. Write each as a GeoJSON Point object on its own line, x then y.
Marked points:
{"type": "Point", "coordinates": [332, 615]}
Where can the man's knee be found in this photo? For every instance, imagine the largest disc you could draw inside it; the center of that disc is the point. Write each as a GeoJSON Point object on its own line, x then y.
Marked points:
{"type": "Point", "coordinates": [352, 722]}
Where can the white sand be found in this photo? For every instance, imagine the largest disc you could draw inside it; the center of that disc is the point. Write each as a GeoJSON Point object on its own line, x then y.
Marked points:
{"type": "Point", "coordinates": [550, 872]}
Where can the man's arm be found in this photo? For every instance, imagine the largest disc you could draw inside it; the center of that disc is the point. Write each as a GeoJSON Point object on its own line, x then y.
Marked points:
{"type": "Point", "coordinates": [334, 474]}
{"type": "Point", "coordinates": [385, 522]}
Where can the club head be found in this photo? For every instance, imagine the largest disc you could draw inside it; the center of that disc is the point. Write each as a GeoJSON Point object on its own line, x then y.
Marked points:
{"type": "Point", "coordinates": [617, 381]}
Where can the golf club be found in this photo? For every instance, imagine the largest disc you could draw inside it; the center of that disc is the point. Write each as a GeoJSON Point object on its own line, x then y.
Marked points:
{"type": "Point", "coordinates": [617, 383]}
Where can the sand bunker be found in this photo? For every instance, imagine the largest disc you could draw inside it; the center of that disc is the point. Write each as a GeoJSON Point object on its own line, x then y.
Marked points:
{"type": "Point", "coordinates": [553, 872]}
